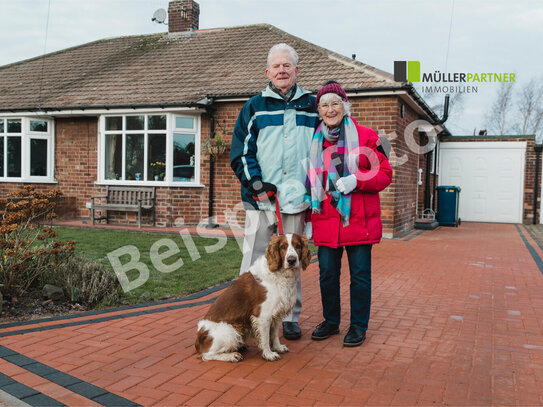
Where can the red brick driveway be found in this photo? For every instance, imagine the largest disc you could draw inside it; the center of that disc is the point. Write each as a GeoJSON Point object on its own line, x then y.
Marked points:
{"type": "Point", "coordinates": [457, 319]}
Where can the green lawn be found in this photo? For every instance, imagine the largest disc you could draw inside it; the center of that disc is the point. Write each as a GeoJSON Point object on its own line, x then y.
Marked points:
{"type": "Point", "coordinates": [204, 264]}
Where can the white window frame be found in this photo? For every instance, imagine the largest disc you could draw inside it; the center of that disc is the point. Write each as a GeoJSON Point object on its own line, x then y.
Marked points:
{"type": "Point", "coordinates": [170, 130]}
{"type": "Point", "coordinates": [26, 136]}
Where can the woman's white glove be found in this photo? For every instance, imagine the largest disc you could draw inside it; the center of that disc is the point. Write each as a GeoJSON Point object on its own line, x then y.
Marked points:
{"type": "Point", "coordinates": [347, 184]}
{"type": "Point", "coordinates": [308, 230]}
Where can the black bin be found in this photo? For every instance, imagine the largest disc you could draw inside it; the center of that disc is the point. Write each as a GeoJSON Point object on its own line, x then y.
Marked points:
{"type": "Point", "coordinates": [447, 205]}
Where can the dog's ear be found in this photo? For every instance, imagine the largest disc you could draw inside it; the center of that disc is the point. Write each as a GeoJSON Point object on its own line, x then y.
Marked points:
{"type": "Point", "coordinates": [273, 254]}
{"type": "Point", "coordinates": [306, 253]}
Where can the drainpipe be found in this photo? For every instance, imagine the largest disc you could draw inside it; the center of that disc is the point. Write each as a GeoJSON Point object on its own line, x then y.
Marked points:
{"type": "Point", "coordinates": [538, 148]}
{"type": "Point", "coordinates": [436, 154]}
{"type": "Point", "coordinates": [428, 187]}
{"type": "Point", "coordinates": [445, 111]}
{"type": "Point", "coordinates": [207, 103]}
{"type": "Point", "coordinates": [427, 181]}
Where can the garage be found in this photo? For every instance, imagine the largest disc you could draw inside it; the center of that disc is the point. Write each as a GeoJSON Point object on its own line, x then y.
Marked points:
{"type": "Point", "coordinates": [491, 176]}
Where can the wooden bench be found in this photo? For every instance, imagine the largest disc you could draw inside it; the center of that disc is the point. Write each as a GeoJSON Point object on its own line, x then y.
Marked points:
{"type": "Point", "coordinates": [125, 199]}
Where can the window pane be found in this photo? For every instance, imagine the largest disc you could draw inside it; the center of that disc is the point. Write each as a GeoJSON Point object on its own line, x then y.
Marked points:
{"type": "Point", "coordinates": [1, 125]}
{"type": "Point", "coordinates": [38, 125]}
{"type": "Point", "coordinates": [134, 122]}
{"type": "Point", "coordinates": [134, 157]}
{"type": "Point", "coordinates": [14, 126]}
{"type": "Point", "coordinates": [156, 122]}
{"type": "Point", "coordinates": [156, 170]}
{"type": "Point", "coordinates": [114, 160]}
{"type": "Point", "coordinates": [14, 156]}
{"type": "Point", "coordinates": [1, 155]}
{"type": "Point", "coordinates": [184, 123]}
{"type": "Point", "coordinates": [114, 123]}
{"type": "Point", "coordinates": [38, 157]}
{"type": "Point", "coordinates": [183, 157]}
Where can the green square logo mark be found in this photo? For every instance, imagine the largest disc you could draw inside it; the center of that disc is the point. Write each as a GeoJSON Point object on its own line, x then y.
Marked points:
{"type": "Point", "coordinates": [413, 71]}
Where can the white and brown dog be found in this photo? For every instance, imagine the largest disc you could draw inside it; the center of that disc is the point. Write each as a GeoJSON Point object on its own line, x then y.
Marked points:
{"type": "Point", "coordinates": [254, 304]}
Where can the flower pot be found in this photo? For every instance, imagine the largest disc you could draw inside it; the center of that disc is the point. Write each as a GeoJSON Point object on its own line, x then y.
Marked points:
{"type": "Point", "coordinates": [216, 151]}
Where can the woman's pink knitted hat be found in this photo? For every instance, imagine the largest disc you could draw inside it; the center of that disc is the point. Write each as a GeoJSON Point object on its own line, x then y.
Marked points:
{"type": "Point", "coordinates": [331, 87]}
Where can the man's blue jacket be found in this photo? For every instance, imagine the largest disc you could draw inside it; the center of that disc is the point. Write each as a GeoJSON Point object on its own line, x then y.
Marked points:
{"type": "Point", "coordinates": [270, 143]}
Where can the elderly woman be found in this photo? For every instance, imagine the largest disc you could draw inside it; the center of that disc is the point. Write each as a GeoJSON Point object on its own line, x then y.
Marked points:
{"type": "Point", "coordinates": [347, 170]}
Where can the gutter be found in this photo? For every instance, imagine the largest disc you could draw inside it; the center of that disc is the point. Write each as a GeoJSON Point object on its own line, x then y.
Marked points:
{"type": "Point", "coordinates": [412, 92]}
{"type": "Point", "coordinates": [101, 107]}
{"type": "Point", "coordinates": [409, 89]}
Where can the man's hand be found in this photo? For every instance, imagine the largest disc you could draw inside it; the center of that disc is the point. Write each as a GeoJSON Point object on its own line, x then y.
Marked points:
{"type": "Point", "coordinates": [262, 191]}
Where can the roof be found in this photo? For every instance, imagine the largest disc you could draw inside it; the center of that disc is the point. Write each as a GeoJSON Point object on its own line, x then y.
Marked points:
{"type": "Point", "coordinates": [162, 69]}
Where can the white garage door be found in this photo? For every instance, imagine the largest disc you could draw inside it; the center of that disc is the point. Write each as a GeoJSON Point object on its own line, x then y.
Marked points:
{"type": "Point", "coordinates": [491, 175]}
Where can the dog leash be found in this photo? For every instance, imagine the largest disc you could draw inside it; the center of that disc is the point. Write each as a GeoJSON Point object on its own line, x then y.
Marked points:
{"type": "Point", "coordinates": [278, 214]}
{"type": "Point", "coordinates": [274, 195]}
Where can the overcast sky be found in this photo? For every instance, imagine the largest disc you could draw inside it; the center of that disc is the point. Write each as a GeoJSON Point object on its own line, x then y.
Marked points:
{"type": "Point", "coordinates": [482, 36]}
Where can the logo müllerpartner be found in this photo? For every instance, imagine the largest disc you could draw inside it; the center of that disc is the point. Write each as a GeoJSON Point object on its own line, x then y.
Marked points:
{"type": "Point", "coordinates": [410, 71]}
{"type": "Point", "coordinates": [407, 71]}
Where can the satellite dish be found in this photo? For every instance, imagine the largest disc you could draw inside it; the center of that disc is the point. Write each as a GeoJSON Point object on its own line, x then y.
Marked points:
{"type": "Point", "coordinates": [159, 16]}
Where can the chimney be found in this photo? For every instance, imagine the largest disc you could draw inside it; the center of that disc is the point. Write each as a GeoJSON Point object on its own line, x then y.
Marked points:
{"type": "Point", "coordinates": [183, 15]}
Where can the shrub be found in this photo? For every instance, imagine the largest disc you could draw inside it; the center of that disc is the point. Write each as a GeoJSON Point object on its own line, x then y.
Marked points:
{"type": "Point", "coordinates": [28, 248]}
{"type": "Point", "coordinates": [88, 283]}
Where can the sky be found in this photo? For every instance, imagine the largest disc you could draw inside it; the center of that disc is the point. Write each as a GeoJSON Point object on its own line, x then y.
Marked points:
{"type": "Point", "coordinates": [454, 36]}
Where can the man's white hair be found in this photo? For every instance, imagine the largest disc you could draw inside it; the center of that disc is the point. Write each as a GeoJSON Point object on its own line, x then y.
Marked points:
{"type": "Point", "coordinates": [282, 47]}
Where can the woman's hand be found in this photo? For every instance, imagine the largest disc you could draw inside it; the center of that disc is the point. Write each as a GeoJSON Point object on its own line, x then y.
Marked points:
{"type": "Point", "coordinates": [347, 184]}
{"type": "Point", "coordinates": [308, 230]}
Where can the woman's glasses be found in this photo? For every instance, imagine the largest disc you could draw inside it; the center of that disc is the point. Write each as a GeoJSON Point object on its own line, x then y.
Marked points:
{"type": "Point", "coordinates": [326, 106]}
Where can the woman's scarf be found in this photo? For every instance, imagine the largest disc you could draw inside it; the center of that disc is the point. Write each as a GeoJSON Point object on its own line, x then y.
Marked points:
{"type": "Point", "coordinates": [345, 152]}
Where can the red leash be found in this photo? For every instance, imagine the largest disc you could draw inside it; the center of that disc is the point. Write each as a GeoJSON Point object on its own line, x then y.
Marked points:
{"type": "Point", "coordinates": [269, 195]}
{"type": "Point", "coordinates": [278, 214]}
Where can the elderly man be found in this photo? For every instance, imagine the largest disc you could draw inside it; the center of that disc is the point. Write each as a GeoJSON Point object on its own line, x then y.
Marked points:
{"type": "Point", "coordinates": [270, 147]}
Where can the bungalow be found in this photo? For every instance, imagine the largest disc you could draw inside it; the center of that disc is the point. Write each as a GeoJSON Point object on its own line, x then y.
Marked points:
{"type": "Point", "coordinates": [136, 111]}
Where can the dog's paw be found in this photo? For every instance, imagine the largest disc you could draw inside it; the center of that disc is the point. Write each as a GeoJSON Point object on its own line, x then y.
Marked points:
{"type": "Point", "coordinates": [235, 357]}
{"type": "Point", "coordinates": [270, 356]}
{"type": "Point", "coordinates": [281, 348]}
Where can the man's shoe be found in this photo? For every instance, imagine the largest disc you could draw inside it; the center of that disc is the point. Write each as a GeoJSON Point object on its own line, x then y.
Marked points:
{"type": "Point", "coordinates": [355, 337]}
{"type": "Point", "coordinates": [324, 330]}
{"type": "Point", "coordinates": [291, 330]}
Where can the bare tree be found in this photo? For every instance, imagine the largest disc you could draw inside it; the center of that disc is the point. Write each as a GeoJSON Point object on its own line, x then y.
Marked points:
{"type": "Point", "coordinates": [530, 106]}
{"type": "Point", "coordinates": [498, 119]}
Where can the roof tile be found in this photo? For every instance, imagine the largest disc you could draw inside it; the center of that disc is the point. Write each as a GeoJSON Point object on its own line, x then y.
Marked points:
{"type": "Point", "coordinates": [171, 69]}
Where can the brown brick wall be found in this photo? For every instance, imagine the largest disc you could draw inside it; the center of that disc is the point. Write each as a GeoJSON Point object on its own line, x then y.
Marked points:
{"type": "Point", "coordinates": [76, 170]}
{"type": "Point", "coordinates": [75, 165]}
{"type": "Point", "coordinates": [380, 113]}
{"type": "Point", "coordinates": [183, 16]}
{"type": "Point", "coordinates": [405, 163]}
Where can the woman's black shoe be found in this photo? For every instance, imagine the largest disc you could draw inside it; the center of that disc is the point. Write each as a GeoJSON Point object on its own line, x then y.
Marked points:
{"type": "Point", "coordinates": [324, 330]}
{"type": "Point", "coordinates": [355, 337]}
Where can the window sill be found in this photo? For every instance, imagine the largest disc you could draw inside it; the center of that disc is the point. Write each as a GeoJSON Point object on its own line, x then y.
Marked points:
{"type": "Point", "coordinates": [151, 184]}
{"type": "Point", "coordinates": [28, 181]}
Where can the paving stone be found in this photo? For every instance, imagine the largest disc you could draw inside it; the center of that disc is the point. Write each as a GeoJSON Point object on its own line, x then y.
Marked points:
{"type": "Point", "coordinates": [444, 329]}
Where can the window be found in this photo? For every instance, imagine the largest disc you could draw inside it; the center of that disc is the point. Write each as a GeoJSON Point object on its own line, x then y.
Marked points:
{"type": "Point", "coordinates": [184, 150]}
{"type": "Point", "coordinates": [26, 149]}
{"type": "Point", "coordinates": [157, 148]}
